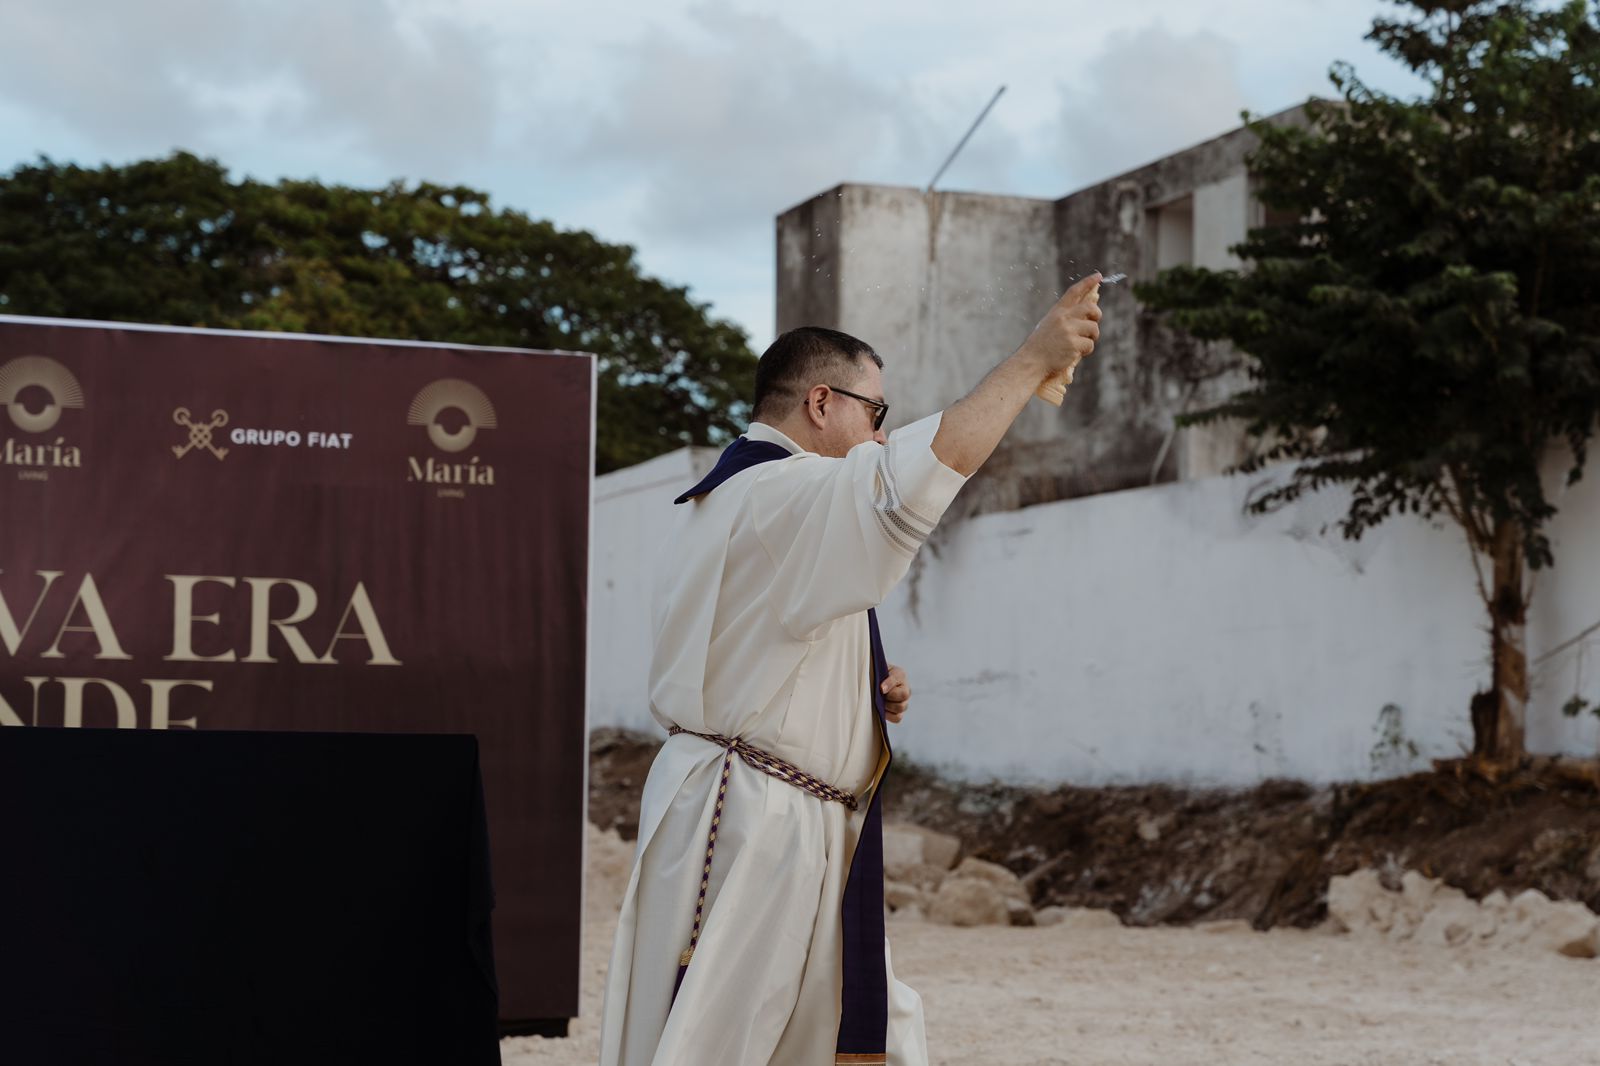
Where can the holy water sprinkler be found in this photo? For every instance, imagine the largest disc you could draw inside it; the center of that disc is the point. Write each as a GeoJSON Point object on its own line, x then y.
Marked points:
{"type": "Point", "coordinates": [1054, 390]}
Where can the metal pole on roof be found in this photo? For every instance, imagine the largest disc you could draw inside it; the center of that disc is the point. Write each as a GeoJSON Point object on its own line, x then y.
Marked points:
{"type": "Point", "coordinates": [963, 143]}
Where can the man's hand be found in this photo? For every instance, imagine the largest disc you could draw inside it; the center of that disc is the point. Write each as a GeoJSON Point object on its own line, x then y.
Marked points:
{"type": "Point", "coordinates": [1068, 331]}
{"type": "Point", "coordinates": [971, 427]}
{"type": "Point", "coordinates": [896, 694]}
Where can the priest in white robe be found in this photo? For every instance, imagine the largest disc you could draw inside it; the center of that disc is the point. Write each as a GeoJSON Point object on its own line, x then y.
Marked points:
{"type": "Point", "coordinates": [735, 928]}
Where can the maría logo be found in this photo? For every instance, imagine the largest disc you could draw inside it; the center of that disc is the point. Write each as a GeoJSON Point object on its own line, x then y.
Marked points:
{"type": "Point", "coordinates": [453, 412]}
{"type": "Point", "coordinates": [35, 391]}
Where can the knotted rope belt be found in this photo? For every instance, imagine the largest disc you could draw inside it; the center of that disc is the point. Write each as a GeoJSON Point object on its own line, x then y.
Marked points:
{"type": "Point", "coordinates": [768, 764]}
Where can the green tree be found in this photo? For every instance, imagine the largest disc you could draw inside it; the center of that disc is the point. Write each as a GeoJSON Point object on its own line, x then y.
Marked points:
{"type": "Point", "coordinates": [175, 242]}
{"type": "Point", "coordinates": [1428, 332]}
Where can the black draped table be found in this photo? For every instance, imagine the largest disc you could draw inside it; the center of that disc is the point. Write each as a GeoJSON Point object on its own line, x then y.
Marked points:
{"type": "Point", "coordinates": [243, 899]}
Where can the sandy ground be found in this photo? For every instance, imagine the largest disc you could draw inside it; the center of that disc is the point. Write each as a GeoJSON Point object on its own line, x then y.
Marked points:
{"type": "Point", "coordinates": [1091, 992]}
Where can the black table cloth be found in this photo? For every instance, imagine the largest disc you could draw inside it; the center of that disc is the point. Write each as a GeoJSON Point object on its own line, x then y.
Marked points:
{"type": "Point", "coordinates": [243, 899]}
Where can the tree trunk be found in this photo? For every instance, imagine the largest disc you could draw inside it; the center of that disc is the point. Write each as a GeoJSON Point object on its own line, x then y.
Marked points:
{"type": "Point", "coordinates": [1499, 714]}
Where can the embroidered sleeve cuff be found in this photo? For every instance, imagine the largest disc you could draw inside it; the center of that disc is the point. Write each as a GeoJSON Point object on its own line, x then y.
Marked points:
{"type": "Point", "coordinates": [912, 487]}
{"type": "Point", "coordinates": [925, 482]}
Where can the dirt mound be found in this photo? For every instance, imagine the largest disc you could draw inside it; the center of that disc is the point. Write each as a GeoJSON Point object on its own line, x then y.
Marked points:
{"type": "Point", "coordinates": [619, 761]}
{"type": "Point", "coordinates": [1159, 855]}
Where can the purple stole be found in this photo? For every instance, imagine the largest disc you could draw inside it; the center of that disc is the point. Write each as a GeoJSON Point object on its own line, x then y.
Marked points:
{"type": "Point", "coordinates": [864, 1019]}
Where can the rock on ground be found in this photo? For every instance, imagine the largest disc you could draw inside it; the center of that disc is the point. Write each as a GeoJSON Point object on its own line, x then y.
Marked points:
{"type": "Point", "coordinates": [967, 901]}
{"type": "Point", "coordinates": [980, 893]}
{"type": "Point", "coordinates": [1427, 911]}
{"type": "Point", "coordinates": [1009, 884]}
{"type": "Point", "coordinates": [905, 844]}
{"type": "Point", "coordinates": [898, 896]}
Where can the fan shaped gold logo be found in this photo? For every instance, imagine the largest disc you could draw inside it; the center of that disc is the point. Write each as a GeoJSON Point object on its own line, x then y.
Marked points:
{"type": "Point", "coordinates": [440, 405]}
{"type": "Point", "coordinates": [452, 394]}
{"type": "Point", "coordinates": [36, 372]}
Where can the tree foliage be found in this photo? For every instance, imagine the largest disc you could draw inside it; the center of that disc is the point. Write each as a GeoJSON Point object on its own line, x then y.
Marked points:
{"type": "Point", "coordinates": [176, 242]}
{"type": "Point", "coordinates": [1430, 326]}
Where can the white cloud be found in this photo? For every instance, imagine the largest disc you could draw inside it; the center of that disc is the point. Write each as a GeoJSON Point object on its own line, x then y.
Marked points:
{"type": "Point", "coordinates": [358, 76]}
{"type": "Point", "coordinates": [1147, 94]}
{"type": "Point", "coordinates": [742, 117]}
{"type": "Point", "coordinates": [411, 94]}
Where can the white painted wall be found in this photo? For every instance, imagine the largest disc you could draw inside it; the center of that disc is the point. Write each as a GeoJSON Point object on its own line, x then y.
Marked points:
{"type": "Point", "coordinates": [631, 510]}
{"type": "Point", "coordinates": [1160, 634]}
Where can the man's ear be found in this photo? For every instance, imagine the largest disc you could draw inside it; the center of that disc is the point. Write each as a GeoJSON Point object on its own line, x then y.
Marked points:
{"type": "Point", "coordinates": [816, 401]}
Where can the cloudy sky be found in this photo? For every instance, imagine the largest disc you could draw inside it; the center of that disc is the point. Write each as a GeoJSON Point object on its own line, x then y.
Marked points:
{"type": "Point", "coordinates": [678, 126]}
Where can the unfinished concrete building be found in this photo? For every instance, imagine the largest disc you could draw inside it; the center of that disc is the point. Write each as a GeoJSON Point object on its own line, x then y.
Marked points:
{"type": "Point", "coordinates": [943, 284]}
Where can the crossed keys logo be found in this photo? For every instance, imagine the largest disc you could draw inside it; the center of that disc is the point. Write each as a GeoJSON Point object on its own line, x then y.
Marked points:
{"type": "Point", "coordinates": [199, 433]}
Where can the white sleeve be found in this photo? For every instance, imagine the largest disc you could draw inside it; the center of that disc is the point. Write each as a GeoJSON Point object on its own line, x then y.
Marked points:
{"type": "Point", "coordinates": [842, 532]}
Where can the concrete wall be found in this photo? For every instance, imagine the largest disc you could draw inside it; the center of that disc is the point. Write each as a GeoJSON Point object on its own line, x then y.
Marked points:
{"type": "Point", "coordinates": [939, 284]}
{"type": "Point", "coordinates": [1160, 634]}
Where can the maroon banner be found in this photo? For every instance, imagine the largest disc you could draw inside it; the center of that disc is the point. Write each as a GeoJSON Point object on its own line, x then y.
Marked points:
{"type": "Point", "coordinates": [210, 530]}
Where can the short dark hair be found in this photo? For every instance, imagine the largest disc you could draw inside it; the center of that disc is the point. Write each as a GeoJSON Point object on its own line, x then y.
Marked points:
{"type": "Point", "coordinates": [801, 358]}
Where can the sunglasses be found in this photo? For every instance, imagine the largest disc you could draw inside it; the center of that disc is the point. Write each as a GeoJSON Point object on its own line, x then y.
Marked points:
{"type": "Point", "coordinates": [880, 410]}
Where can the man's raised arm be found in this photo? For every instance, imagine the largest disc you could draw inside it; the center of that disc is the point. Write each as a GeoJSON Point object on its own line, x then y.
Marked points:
{"type": "Point", "coordinates": [972, 426]}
